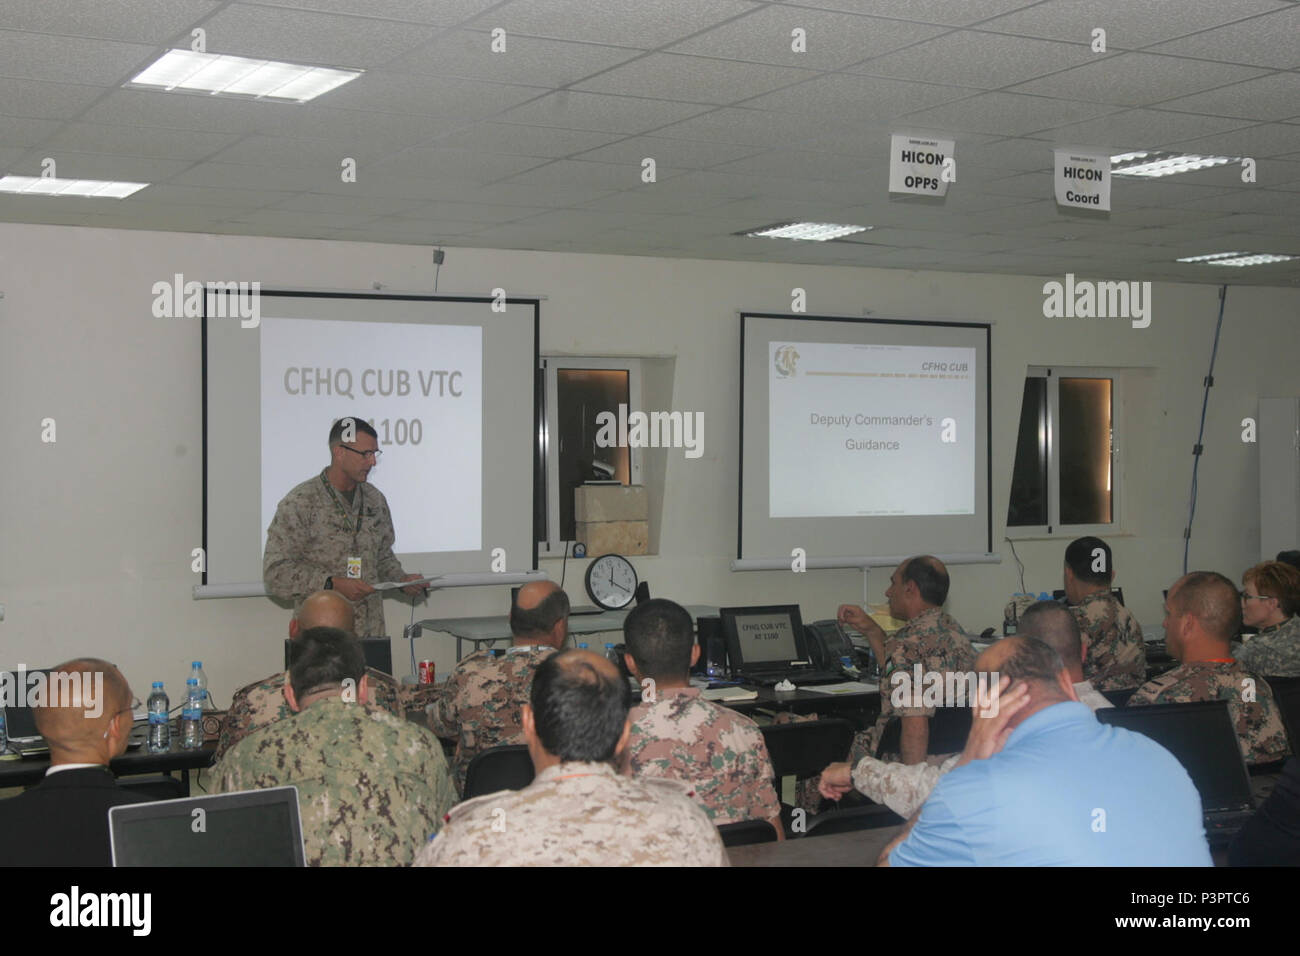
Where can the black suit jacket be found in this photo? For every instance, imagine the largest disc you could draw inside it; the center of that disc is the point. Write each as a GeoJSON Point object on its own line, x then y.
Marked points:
{"type": "Point", "coordinates": [63, 821]}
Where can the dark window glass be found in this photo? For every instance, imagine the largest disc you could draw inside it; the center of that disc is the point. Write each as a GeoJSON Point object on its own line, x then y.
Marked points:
{"type": "Point", "coordinates": [582, 394]}
{"type": "Point", "coordinates": [1085, 443]}
{"type": "Point", "coordinates": [1028, 506]}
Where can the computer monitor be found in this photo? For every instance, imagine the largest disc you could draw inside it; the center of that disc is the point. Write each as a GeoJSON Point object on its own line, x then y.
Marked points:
{"type": "Point", "coordinates": [15, 687]}
{"type": "Point", "coordinates": [766, 635]}
{"type": "Point", "coordinates": [249, 828]}
{"type": "Point", "coordinates": [1201, 736]}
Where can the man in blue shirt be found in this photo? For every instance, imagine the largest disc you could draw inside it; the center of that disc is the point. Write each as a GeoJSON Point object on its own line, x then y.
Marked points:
{"type": "Point", "coordinates": [1042, 783]}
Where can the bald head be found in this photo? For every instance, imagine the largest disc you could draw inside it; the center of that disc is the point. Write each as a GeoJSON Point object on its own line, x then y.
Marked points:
{"type": "Point", "coordinates": [1204, 615]}
{"type": "Point", "coordinates": [326, 609]}
{"type": "Point", "coordinates": [540, 614]}
{"type": "Point", "coordinates": [578, 707]}
{"type": "Point", "coordinates": [85, 715]}
{"type": "Point", "coordinates": [1053, 624]}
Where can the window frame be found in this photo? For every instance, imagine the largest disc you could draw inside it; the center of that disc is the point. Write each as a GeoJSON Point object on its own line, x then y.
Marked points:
{"type": "Point", "coordinates": [1054, 529]}
{"type": "Point", "coordinates": [548, 434]}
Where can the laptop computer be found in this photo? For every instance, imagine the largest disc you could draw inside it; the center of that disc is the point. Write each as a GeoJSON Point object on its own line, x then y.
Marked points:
{"type": "Point", "coordinates": [248, 828]}
{"type": "Point", "coordinates": [767, 644]}
{"type": "Point", "coordinates": [20, 721]}
{"type": "Point", "coordinates": [1201, 736]}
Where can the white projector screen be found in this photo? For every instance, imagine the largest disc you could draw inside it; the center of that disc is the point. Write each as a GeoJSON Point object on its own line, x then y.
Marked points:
{"type": "Point", "coordinates": [447, 383]}
{"type": "Point", "coordinates": [863, 438]}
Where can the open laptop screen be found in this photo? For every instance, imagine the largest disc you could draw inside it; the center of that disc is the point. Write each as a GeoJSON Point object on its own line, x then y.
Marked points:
{"type": "Point", "coordinates": [15, 690]}
{"type": "Point", "coordinates": [1200, 735]}
{"type": "Point", "coordinates": [249, 828]}
{"type": "Point", "coordinates": [763, 635]}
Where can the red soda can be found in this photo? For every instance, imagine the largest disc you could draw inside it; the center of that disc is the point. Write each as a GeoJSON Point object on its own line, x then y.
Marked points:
{"type": "Point", "coordinates": [426, 672]}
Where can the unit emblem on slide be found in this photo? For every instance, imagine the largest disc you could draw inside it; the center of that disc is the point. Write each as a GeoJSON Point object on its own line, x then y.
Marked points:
{"type": "Point", "coordinates": [785, 360]}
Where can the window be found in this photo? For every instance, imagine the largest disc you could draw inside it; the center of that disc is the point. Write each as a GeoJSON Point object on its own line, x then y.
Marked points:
{"type": "Point", "coordinates": [576, 390]}
{"type": "Point", "coordinates": [1063, 481]}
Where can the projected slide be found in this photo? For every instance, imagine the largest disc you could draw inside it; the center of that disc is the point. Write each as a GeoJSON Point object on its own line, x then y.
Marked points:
{"type": "Point", "coordinates": [870, 430]}
{"type": "Point", "coordinates": [420, 386]}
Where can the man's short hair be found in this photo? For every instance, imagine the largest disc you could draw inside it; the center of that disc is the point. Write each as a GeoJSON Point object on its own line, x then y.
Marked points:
{"type": "Point", "coordinates": [362, 427]}
{"type": "Point", "coordinates": [1053, 623]}
{"type": "Point", "coordinates": [1211, 599]}
{"type": "Point", "coordinates": [578, 711]}
{"type": "Point", "coordinates": [660, 635]}
{"type": "Point", "coordinates": [323, 658]}
{"type": "Point", "coordinates": [549, 611]}
{"type": "Point", "coordinates": [1079, 559]}
{"type": "Point", "coordinates": [1290, 557]}
{"type": "Point", "coordinates": [929, 576]}
{"type": "Point", "coordinates": [1276, 579]}
{"type": "Point", "coordinates": [1032, 660]}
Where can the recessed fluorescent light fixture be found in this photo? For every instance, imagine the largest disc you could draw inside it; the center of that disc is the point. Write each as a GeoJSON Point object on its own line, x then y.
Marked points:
{"type": "Point", "coordinates": [1155, 164]}
{"type": "Point", "coordinates": [49, 186]}
{"type": "Point", "coordinates": [815, 231]}
{"type": "Point", "coordinates": [1238, 259]}
{"type": "Point", "coordinates": [223, 75]}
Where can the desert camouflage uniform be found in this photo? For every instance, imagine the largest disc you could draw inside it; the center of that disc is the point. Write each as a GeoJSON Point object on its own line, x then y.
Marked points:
{"type": "Point", "coordinates": [1258, 725]}
{"type": "Point", "coordinates": [579, 814]}
{"type": "Point", "coordinates": [904, 787]}
{"type": "Point", "coordinates": [481, 704]}
{"type": "Point", "coordinates": [1274, 651]}
{"type": "Point", "coordinates": [936, 642]}
{"type": "Point", "coordinates": [1116, 658]}
{"type": "Point", "coordinates": [717, 751]}
{"type": "Point", "coordinates": [371, 787]}
{"type": "Point", "coordinates": [309, 541]}
{"type": "Point", "coordinates": [262, 702]}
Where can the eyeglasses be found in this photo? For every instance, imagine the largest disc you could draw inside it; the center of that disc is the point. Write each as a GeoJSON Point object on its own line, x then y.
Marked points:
{"type": "Point", "coordinates": [372, 455]}
{"type": "Point", "coordinates": [1255, 597]}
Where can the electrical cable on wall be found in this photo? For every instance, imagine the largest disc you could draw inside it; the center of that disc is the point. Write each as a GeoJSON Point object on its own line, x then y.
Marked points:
{"type": "Point", "coordinates": [1200, 434]}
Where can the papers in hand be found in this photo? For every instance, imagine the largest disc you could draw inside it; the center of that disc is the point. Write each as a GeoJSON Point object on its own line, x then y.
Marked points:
{"type": "Point", "coordinates": [389, 585]}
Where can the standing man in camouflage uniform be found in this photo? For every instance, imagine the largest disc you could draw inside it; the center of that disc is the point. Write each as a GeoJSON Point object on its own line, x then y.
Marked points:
{"type": "Point", "coordinates": [578, 811]}
{"type": "Point", "coordinates": [334, 532]}
{"type": "Point", "coordinates": [1270, 597]}
{"type": "Point", "coordinates": [1117, 658]}
{"type": "Point", "coordinates": [678, 734]}
{"type": "Point", "coordinates": [371, 786]}
{"type": "Point", "coordinates": [481, 704]}
{"type": "Point", "coordinates": [932, 639]}
{"type": "Point", "coordinates": [1202, 614]}
{"type": "Point", "coordinates": [263, 702]}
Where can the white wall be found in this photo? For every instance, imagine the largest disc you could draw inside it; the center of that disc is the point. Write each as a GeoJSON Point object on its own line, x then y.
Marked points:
{"type": "Point", "coordinates": [96, 529]}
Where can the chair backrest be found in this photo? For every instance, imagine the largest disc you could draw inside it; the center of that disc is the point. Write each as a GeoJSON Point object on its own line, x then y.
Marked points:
{"type": "Point", "coordinates": [1286, 691]}
{"type": "Point", "coordinates": [747, 832]}
{"type": "Point", "coordinates": [501, 768]}
{"type": "Point", "coordinates": [949, 728]}
{"type": "Point", "coordinates": [804, 749]}
{"type": "Point", "coordinates": [869, 817]}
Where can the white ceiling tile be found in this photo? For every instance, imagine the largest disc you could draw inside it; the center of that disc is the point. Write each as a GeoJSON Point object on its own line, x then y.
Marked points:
{"type": "Point", "coordinates": [469, 212]}
{"type": "Point", "coordinates": [629, 23]}
{"type": "Point", "coordinates": [1268, 98]}
{"type": "Point", "coordinates": [865, 99]}
{"type": "Point", "coordinates": [443, 13]}
{"type": "Point", "coordinates": [514, 139]}
{"type": "Point", "coordinates": [832, 40]}
{"type": "Point", "coordinates": [927, 11]}
{"type": "Point", "coordinates": [343, 205]}
{"type": "Point", "coordinates": [692, 79]}
{"type": "Point", "coordinates": [1274, 139]}
{"type": "Point", "coordinates": [985, 60]}
{"type": "Point", "coordinates": [186, 111]}
{"type": "Point", "coordinates": [1127, 25]}
{"type": "Point", "coordinates": [137, 141]}
{"type": "Point", "coordinates": [36, 56]}
{"type": "Point", "coordinates": [23, 131]}
{"type": "Point", "coordinates": [572, 172]}
{"type": "Point", "coordinates": [138, 169]}
{"type": "Point", "coordinates": [1007, 154]}
{"type": "Point", "coordinates": [299, 36]}
{"type": "Point", "coordinates": [1136, 79]}
{"type": "Point", "coordinates": [239, 176]}
{"type": "Point", "coordinates": [669, 153]}
{"type": "Point", "coordinates": [45, 100]}
{"type": "Point", "coordinates": [377, 130]}
{"type": "Point", "coordinates": [597, 111]}
{"type": "Point", "coordinates": [1166, 191]}
{"type": "Point", "coordinates": [438, 162]}
{"type": "Point", "coordinates": [263, 150]}
{"type": "Point", "coordinates": [442, 96]}
{"type": "Point", "coordinates": [1007, 113]}
{"type": "Point", "coordinates": [531, 61]}
{"type": "Point", "coordinates": [204, 196]}
{"type": "Point", "coordinates": [1135, 129]}
{"type": "Point", "coordinates": [810, 165]}
{"type": "Point", "coordinates": [1268, 40]}
{"type": "Point", "coordinates": [140, 21]}
{"type": "Point", "coordinates": [1252, 199]}
{"type": "Point", "coordinates": [518, 194]}
{"type": "Point", "coordinates": [666, 197]}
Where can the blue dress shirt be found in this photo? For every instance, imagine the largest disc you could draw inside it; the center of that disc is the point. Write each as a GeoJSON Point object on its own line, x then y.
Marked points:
{"type": "Point", "coordinates": [1064, 791]}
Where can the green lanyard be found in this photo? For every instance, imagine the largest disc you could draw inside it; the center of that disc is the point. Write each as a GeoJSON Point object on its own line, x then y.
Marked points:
{"type": "Point", "coordinates": [361, 501]}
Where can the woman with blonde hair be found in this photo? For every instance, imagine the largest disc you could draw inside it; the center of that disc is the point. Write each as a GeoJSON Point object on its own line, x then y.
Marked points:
{"type": "Point", "coordinates": [1270, 598]}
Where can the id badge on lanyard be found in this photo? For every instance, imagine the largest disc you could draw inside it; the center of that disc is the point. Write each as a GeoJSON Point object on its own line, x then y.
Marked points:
{"type": "Point", "coordinates": [354, 567]}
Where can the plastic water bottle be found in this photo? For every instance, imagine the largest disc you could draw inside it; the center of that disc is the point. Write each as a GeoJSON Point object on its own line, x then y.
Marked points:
{"type": "Point", "coordinates": [582, 646]}
{"type": "Point", "coordinates": [196, 672]}
{"type": "Point", "coordinates": [614, 657]}
{"type": "Point", "coordinates": [192, 716]}
{"type": "Point", "coordinates": [160, 731]}
{"type": "Point", "coordinates": [846, 665]}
